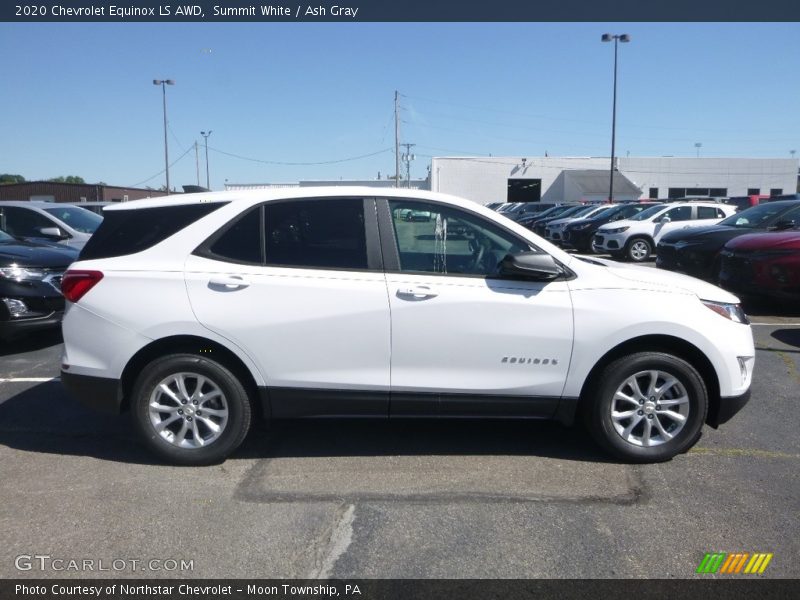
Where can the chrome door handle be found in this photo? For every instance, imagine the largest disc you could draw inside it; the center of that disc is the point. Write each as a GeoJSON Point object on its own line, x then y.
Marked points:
{"type": "Point", "coordinates": [419, 292]}
{"type": "Point", "coordinates": [230, 282]}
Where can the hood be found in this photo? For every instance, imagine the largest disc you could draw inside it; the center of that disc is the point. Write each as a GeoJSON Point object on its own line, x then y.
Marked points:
{"type": "Point", "coordinates": [620, 223]}
{"type": "Point", "coordinates": [783, 240]}
{"type": "Point", "coordinates": [700, 233]}
{"type": "Point", "coordinates": [640, 277]}
{"type": "Point", "coordinates": [28, 254]}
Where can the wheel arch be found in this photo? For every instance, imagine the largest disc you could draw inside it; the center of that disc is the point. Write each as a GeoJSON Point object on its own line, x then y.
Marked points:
{"type": "Point", "coordinates": [658, 343]}
{"type": "Point", "coordinates": [190, 344]}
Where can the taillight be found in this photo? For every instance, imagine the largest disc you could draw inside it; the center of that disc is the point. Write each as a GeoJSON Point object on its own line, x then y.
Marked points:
{"type": "Point", "coordinates": [75, 284]}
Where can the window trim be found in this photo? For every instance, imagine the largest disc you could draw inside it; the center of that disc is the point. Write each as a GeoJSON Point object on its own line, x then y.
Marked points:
{"type": "Point", "coordinates": [391, 250]}
{"type": "Point", "coordinates": [371, 234]}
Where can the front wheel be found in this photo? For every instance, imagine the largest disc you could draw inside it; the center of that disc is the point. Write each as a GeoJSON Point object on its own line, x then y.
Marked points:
{"type": "Point", "coordinates": [638, 250]}
{"type": "Point", "coordinates": [190, 410]}
{"type": "Point", "coordinates": [649, 407]}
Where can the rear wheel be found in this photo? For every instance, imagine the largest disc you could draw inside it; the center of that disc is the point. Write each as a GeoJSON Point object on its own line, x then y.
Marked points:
{"type": "Point", "coordinates": [649, 407]}
{"type": "Point", "coordinates": [190, 410]}
{"type": "Point", "coordinates": [638, 249]}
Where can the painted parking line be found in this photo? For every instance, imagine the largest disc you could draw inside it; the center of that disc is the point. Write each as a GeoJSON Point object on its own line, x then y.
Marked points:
{"type": "Point", "coordinates": [779, 323]}
{"type": "Point", "coordinates": [29, 379]}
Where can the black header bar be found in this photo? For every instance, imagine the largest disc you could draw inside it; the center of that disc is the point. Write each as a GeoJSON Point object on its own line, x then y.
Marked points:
{"type": "Point", "coordinates": [361, 11]}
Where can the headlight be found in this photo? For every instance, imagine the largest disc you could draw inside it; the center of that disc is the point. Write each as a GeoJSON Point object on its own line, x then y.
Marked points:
{"type": "Point", "coordinates": [581, 226]}
{"type": "Point", "coordinates": [616, 230]}
{"type": "Point", "coordinates": [21, 273]}
{"type": "Point", "coordinates": [733, 312]}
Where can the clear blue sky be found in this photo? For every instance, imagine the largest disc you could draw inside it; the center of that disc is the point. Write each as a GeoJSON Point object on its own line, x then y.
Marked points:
{"type": "Point", "coordinates": [78, 99]}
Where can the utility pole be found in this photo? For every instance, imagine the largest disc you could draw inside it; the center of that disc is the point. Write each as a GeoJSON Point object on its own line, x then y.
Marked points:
{"type": "Point", "coordinates": [197, 162]}
{"type": "Point", "coordinates": [408, 157]}
{"type": "Point", "coordinates": [208, 177]}
{"type": "Point", "coordinates": [396, 138]}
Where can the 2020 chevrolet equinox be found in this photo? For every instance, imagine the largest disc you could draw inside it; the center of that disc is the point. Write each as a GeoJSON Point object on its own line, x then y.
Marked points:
{"type": "Point", "coordinates": [194, 312]}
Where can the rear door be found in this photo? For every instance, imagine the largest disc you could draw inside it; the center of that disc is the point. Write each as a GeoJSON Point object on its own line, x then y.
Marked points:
{"type": "Point", "coordinates": [299, 286]}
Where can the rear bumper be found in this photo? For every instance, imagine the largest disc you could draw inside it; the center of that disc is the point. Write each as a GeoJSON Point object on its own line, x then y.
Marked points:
{"type": "Point", "coordinates": [727, 408]}
{"type": "Point", "coordinates": [99, 393]}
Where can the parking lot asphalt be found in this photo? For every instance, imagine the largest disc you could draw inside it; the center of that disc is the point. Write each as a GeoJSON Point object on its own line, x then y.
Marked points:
{"type": "Point", "coordinates": [406, 499]}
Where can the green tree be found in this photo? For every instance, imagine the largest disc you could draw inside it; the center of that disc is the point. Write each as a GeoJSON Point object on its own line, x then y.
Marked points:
{"type": "Point", "coordinates": [9, 178]}
{"type": "Point", "coordinates": [67, 179]}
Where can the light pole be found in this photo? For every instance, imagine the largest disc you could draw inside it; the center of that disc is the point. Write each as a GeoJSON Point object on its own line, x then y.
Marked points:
{"type": "Point", "coordinates": [607, 37]}
{"type": "Point", "coordinates": [164, 83]}
{"type": "Point", "coordinates": [698, 145]}
{"type": "Point", "coordinates": [205, 137]}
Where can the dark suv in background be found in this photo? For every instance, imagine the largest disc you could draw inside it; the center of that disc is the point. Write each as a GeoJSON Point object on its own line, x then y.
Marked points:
{"type": "Point", "coordinates": [30, 284]}
{"type": "Point", "coordinates": [697, 251]}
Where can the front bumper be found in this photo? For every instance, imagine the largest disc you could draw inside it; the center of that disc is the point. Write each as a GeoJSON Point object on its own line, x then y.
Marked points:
{"type": "Point", "coordinates": [725, 410]}
{"type": "Point", "coordinates": [99, 393]}
{"type": "Point", "coordinates": [12, 328]}
{"type": "Point", "coordinates": [610, 242]}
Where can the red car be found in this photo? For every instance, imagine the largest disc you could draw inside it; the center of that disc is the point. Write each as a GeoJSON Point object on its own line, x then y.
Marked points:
{"type": "Point", "coordinates": [763, 264]}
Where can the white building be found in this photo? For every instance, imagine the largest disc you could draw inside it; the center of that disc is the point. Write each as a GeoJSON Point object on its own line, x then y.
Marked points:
{"type": "Point", "coordinates": [563, 179]}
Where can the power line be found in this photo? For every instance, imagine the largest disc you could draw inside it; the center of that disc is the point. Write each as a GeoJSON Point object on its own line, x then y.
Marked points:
{"type": "Point", "coordinates": [173, 163]}
{"type": "Point", "coordinates": [299, 164]}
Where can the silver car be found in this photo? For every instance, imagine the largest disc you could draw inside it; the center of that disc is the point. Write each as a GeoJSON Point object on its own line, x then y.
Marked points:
{"type": "Point", "coordinates": [48, 222]}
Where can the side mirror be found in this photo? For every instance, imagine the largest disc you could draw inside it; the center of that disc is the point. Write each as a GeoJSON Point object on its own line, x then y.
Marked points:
{"type": "Point", "coordinates": [784, 224]}
{"type": "Point", "coordinates": [530, 265]}
{"type": "Point", "coordinates": [664, 219]}
{"type": "Point", "coordinates": [53, 232]}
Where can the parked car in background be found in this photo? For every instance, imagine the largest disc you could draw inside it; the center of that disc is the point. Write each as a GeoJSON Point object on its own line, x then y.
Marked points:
{"type": "Point", "coordinates": [30, 285]}
{"type": "Point", "coordinates": [95, 207]}
{"type": "Point", "coordinates": [48, 221]}
{"type": "Point", "coordinates": [765, 265]}
{"type": "Point", "coordinates": [635, 238]}
{"type": "Point", "coordinates": [276, 301]}
{"type": "Point", "coordinates": [578, 234]}
{"type": "Point", "coordinates": [530, 209]}
{"type": "Point", "coordinates": [696, 252]}
{"type": "Point", "coordinates": [539, 226]}
{"type": "Point", "coordinates": [530, 220]}
{"type": "Point", "coordinates": [554, 229]}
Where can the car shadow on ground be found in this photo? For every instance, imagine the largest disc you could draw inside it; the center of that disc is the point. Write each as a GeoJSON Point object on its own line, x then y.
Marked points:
{"type": "Point", "coordinates": [37, 340]}
{"type": "Point", "coordinates": [768, 307]}
{"type": "Point", "coordinates": [788, 336]}
{"type": "Point", "coordinates": [45, 419]}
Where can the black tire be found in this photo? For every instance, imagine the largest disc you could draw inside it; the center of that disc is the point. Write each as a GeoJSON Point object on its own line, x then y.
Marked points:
{"type": "Point", "coordinates": [638, 249]}
{"type": "Point", "coordinates": [614, 377]}
{"type": "Point", "coordinates": [232, 408]}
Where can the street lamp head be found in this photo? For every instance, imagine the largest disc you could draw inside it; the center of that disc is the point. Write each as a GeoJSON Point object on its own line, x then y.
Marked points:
{"type": "Point", "coordinates": [156, 82]}
{"type": "Point", "coordinates": [624, 38]}
{"type": "Point", "coordinates": [606, 37]}
{"type": "Point", "coordinates": [170, 82]}
{"type": "Point", "coordinates": [160, 81]}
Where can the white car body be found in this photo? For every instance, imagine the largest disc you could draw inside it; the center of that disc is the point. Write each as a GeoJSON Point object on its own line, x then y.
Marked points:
{"type": "Point", "coordinates": [615, 237]}
{"type": "Point", "coordinates": [387, 342]}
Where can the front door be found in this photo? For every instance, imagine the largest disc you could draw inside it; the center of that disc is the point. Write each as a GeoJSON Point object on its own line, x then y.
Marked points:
{"type": "Point", "coordinates": [464, 339]}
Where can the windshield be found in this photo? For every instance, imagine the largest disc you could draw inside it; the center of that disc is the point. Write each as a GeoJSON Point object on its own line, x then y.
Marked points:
{"type": "Point", "coordinates": [647, 213]}
{"type": "Point", "coordinates": [755, 217]}
{"type": "Point", "coordinates": [550, 212]}
{"type": "Point", "coordinates": [78, 218]}
{"type": "Point", "coordinates": [574, 210]}
{"type": "Point", "coordinates": [606, 212]}
{"type": "Point", "coordinates": [4, 237]}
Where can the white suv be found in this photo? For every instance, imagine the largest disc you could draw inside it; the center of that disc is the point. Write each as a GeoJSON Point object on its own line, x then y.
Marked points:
{"type": "Point", "coordinates": [195, 313]}
{"type": "Point", "coordinates": [636, 238]}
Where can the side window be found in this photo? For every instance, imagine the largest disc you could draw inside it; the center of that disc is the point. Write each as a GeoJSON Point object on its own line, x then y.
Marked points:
{"type": "Point", "coordinates": [708, 212]}
{"type": "Point", "coordinates": [681, 213]}
{"type": "Point", "coordinates": [720, 213]}
{"type": "Point", "coordinates": [326, 233]}
{"type": "Point", "coordinates": [432, 238]}
{"type": "Point", "coordinates": [241, 242]}
{"type": "Point", "coordinates": [24, 222]}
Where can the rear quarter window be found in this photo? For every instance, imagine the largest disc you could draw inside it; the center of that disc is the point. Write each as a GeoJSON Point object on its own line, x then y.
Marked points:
{"type": "Point", "coordinates": [124, 232]}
